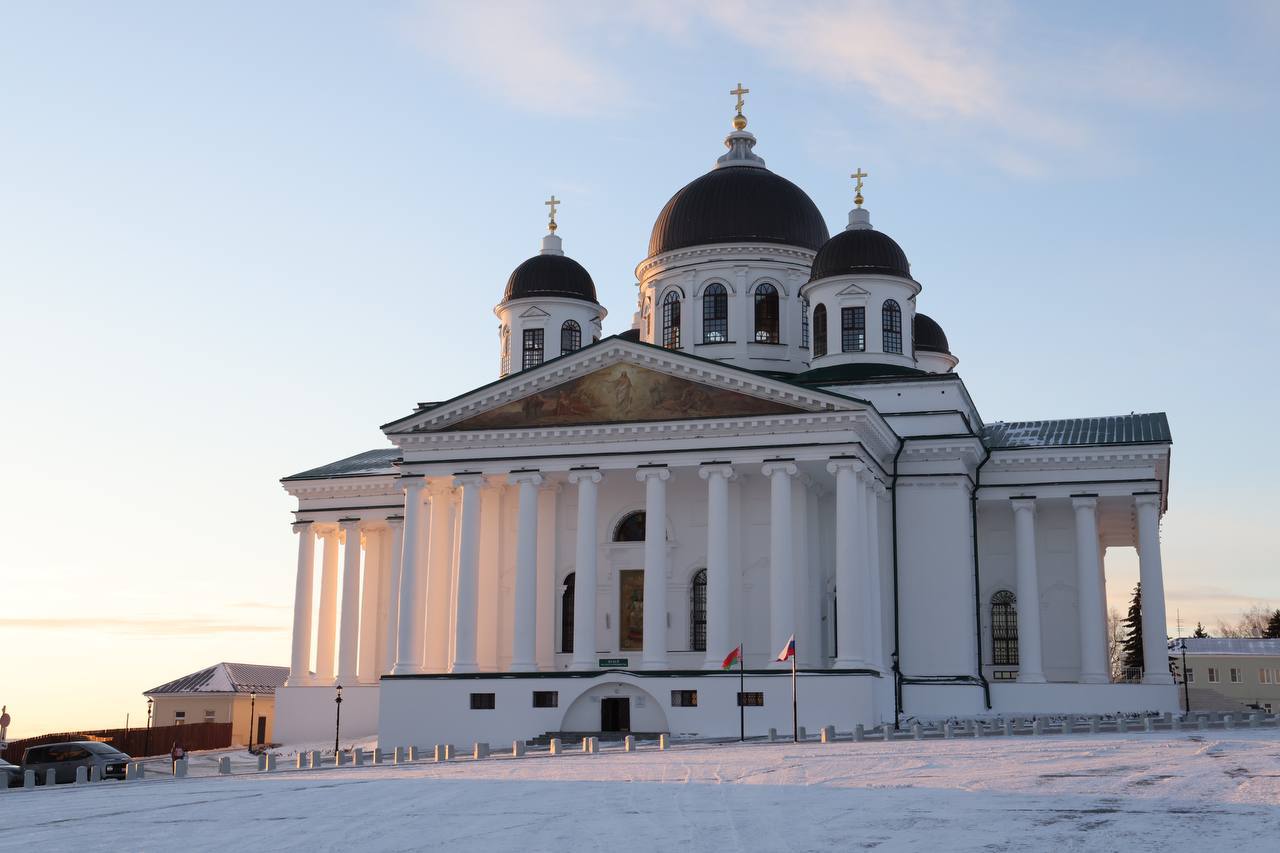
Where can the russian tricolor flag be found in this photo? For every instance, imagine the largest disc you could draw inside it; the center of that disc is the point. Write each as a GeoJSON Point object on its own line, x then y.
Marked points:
{"type": "Point", "coordinates": [789, 650]}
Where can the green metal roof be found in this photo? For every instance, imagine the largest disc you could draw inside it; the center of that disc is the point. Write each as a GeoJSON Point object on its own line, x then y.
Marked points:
{"type": "Point", "coordinates": [1150, 428]}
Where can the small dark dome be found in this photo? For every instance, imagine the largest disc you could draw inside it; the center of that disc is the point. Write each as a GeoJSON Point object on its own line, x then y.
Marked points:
{"type": "Point", "coordinates": [550, 275]}
{"type": "Point", "coordinates": [927, 335]}
{"type": "Point", "coordinates": [860, 250]}
{"type": "Point", "coordinates": [738, 204]}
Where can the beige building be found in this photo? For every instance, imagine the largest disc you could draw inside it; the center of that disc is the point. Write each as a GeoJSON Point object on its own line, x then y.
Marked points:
{"type": "Point", "coordinates": [242, 694]}
{"type": "Point", "coordinates": [1229, 674]}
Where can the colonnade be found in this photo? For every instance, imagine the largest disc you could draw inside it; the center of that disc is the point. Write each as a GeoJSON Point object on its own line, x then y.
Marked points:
{"type": "Point", "coordinates": [1092, 604]}
{"type": "Point", "coordinates": [431, 602]}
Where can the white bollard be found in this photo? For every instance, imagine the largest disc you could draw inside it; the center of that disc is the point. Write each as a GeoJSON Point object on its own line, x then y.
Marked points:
{"type": "Point", "coordinates": [398, 756]}
{"type": "Point", "coordinates": [376, 757]}
{"type": "Point", "coordinates": [50, 777]}
{"type": "Point", "coordinates": [262, 761]}
{"type": "Point", "coordinates": [440, 754]}
{"type": "Point", "coordinates": [1228, 721]}
{"type": "Point", "coordinates": [82, 775]}
{"type": "Point", "coordinates": [315, 759]}
{"type": "Point", "coordinates": [1037, 728]}
{"type": "Point", "coordinates": [480, 750]}
{"type": "Point", "coordinates": [517, 749]}
{"type": "Point", "coordinates": [1008, 728]}
{"type": "Point", "coordinates": [271, 762]}
{"type": "Point", "coordinates": [664, 742]}
{"type": "Point", "coordinates": [1094, 725]}
{"type": "Point", "coordinates": [586, 745]}
{"type": "Point", "coordinates": [1149, 724]}
{"type": "Point", "coordinates": [859, 733]}
{"type": "Point", "coordinates": [917, 731]}
{"type": "Point", "coordinates": [449, 754]}
{"type": "Point", "coordinates": [414, 753]}
{"type": "Point", "coordinates": [1253, 721]}
{"type": "Point", "coordinates": [595, 745]}
{"type": "Point", "coordinates": [95, 773]}
{"type": "Point", "coordinates": [224, 765]}
{"type": "Point", "coordinates": [357, 757]}
{"type": "Point", "coordinates": [180, 769]}
{"type": "Point", "coordinates": [1202, 723]}
{"type": "Point", "coordinates": [131, 771]}
{"type": "Point", "coordinates": [773, 735]}
{"type": "Point", "coordinates": [302, 760]}
{"type": "Point", "coordinates": [1122, 725]}
{"type": "Point", "coordinates": [555, 746]}
{"type": "Point", "coordinates": [628, 744]}
{"type": "Point", "coordinates": [801, 734]}
{"type": "Point", "coordinates": [29, 780]}
{"type": "Point", "coordinates": [978, 728]}
{"type": "Point", "coordinates": [827, 734]}
{"type": "Point", "coordinates": [948, 730]}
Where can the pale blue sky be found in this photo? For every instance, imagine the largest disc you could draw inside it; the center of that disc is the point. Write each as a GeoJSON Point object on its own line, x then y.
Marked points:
{"type": "Point", "coordinates": [236, 237]}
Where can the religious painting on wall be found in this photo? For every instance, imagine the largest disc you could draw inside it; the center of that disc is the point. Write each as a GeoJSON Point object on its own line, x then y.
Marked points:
{"type": "Point", "coordinates": [623, 393]}
{"type": "Point", "coordinates": [630, 610]}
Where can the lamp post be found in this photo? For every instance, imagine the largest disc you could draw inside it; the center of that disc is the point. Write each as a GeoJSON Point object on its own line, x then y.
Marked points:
{"type": "Point", "coordinates": [337, 720]}
{"type": "Point", "coordinates": [147, 746]}
{"type": "Point", "coordinates": [253, 697]}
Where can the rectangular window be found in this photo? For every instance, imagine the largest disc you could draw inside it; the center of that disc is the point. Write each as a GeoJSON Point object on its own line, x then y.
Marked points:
{"type": "Point", "coordinates": [684, 698]}
{"type": "Point", "coordinates": [546, 699]}
{"type": "Point", "coordinates": [1235, 675]}
{"type": "Point", "coordinates": [804, 322]}
{"type": "Point", "coordinates": [751, 700]}
{"type": "Point", "coordinates": [482, 701]}
{"type": "Point", "coordinates": [1264, 676]}
{"type": "Point", "coordinates": [853, 329]}
{"type": "Point", "coordinates": [209, 715]}
{"type": "Point", "coordinates": [1213, 675]}
{"type": "Point", "coordinates": [532, 348]}
{"type": "Point", "coordinates": [1191, 676]}
{"type": "Point", "coordinates": [1004, 675]}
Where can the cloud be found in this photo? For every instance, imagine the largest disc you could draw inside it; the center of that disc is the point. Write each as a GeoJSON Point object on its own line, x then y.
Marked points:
{"type": "Point", "coordinates": [151, 626]}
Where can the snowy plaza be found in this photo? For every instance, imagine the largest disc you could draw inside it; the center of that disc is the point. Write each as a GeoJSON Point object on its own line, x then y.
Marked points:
{"type": "Point", "coordinates": [1132, 792]}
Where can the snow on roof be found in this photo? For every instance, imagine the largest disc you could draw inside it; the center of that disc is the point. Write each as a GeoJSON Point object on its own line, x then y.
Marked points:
{"type": "Point", "coordinates": [1118, 429]}
{"type": "Point", "coordinates": [1228, 646]}
{"type": "Point", "coordinates": [227, 678]}
{"type": "Point", "coordinates": [370, 462]}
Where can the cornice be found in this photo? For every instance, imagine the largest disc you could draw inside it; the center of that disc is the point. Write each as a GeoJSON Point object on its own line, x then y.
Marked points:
{"type": "Point", "coordinates": [733, 252]}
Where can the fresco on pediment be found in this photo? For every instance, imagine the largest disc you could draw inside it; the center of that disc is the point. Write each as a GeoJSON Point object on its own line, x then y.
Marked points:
{"type": "Point", "coordinates": [622, 393]}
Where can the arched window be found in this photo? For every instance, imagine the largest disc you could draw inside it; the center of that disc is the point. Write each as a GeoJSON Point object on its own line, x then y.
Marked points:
{"type": "Point", "coordinates": [766, 314]}
{"type": "Point", "coordinates": [631, 528]}
{"type": "Point", "coordinates": [506, 350]}
{"type": "Point", "coordinates": [671, 320]}
{"type": "Point", "coordinates": [715, 314]}
{"type": "Point", "coordinates": [1004, 629]}
{"type": "Point", "coordinates": [566, 614]}
{"type": "Point", "coordinates": [891, 316]}
{"type": "Point", "coordinates": [532, 349]}
{"type": "Point", "coordinates": [698, 611]}
{"type": "Point", "coordinates": [804, 321]}
{"type": "Point", "coordinates": [853, 328]}
{"type": "Point", "coordinates": [819, 331]}
{"type": "Point", "coordinates": [570, 337]}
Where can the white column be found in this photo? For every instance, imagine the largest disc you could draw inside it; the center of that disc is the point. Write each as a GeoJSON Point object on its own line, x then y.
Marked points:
{"type": "Point", "coordinates": [1030, 658]}
{"type": "Point", "coordinates": [585, 572]}
{"type": "Point", "coordinates": [349, 638]}
{"type": "Point", "coordinates": [439, 588]}
{"type": "Point", "coordinates": [548, 500]}
{"type": "Point", "coordinates": [464, 641]}
{"type": "Point", "coordinates": [872, 491]}
{"type": "Point", "coordinates": [524, 633]}
{"type": "Point", "coordinates": [327, 631]}
{"type": "Point", "coordinates": [300, 663]}
{"type": "Point", "coordinates": [368, 658]}
{"type": "Point", "coordinates": [718, 588]}
{"type": "Point", "coordinates": [850, 645]}
{"type": "Point", "coordinates": [782, 599]}
{"type": "Point", "coordinates": [409, 615]}
{"type": "Point", "coordinates": [395, 569]}
{"type": "Point", "coordinates": [1155, 648]}
{"type": "Point", "coordinates": [655, 565]}
{"type": "Point", "coordinates": [808, 642]}
{"type": "Point", "coordinates": [1092, 606]}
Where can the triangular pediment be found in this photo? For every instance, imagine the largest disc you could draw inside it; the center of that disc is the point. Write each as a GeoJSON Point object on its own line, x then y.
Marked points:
{"type": "Point", "coordinates": [618, 381]}
{"type": "Point", "coordinates": [853, 290]}
{"type": "Point", "coordinates": [534, 311]}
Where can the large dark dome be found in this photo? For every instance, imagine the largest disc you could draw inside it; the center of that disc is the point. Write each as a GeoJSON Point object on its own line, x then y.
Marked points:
{"type": "Point", "coordinates": [927, 335]}
{"type": "Point", "coordinates": [550, 275]}
{"type": "Point", "coordinates": [860, 250]}
{"type": "Point", "coordinates": [738, 204]}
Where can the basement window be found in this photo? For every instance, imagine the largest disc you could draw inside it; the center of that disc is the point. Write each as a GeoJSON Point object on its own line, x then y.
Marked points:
{"type": "Point", "coordinates": [684, 698]}
{"type": "Point", "coordinates": [546, 699]}
{"type": "Point", "coordinates": [482, 702]}
{"type": "Point", "coordinates": [751, 700]}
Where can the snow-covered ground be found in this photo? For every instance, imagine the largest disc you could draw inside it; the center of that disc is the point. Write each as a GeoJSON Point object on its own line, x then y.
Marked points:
{"type": "Point", "coordinates": [1203, 790]}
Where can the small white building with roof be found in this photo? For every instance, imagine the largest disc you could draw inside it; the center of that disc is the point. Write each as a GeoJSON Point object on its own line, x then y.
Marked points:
{"type": "Point", "coordinates": [243, 694]}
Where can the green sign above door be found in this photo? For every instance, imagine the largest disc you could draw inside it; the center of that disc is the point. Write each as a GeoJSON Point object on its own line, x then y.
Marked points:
{"type": "Point", "coordinates": [613, 663]}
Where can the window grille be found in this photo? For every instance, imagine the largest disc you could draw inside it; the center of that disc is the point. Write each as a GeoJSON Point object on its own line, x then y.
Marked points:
{"type": "Point", "coordinates": [546, 699]}
{"type": "Point", "coordinates": [804, 322]}
{"type": "Point", "coordinates": [566, 614]}
{"type": "Point", "coordinates": [671, 320]}
{"type": "Point", "coordinates": [819, 331]}
{"type": "Point", "coordinates": [766, 314]}
{"type": "Point", "coordinates": [570, 337]}
{"type": "Point", "coordinates": [482, 702]}
{"type": "Point", "coordinates": [684, 698]}
{"type": "Point", "coordinates": [631, 528]}
{"type": "Point", "coordinates": [506, 351]}
{"type": "Point", "coordinates": [715, 314]}
{"type": "Point", "coordinates": [698, 612]}
{"type": "Point", "coordinates": [532, 348]}
{"type": "Point", "coordinates": [853, 329]}
{"type": "Point", "coordinates": [1004, 629]}
{"type": "Point", "coordinates": [751, 700]}
{"type": "Point", "coordinates": [891, 316]}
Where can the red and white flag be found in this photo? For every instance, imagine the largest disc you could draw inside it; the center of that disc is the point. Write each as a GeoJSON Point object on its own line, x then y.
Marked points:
{"type": "Point", "coordinates": [789, 650]}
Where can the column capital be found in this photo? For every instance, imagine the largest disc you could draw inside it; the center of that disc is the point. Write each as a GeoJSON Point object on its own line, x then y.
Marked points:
{"type": "Point", "coordinates": [649, 472]}
{"type": "Point", "coordinates": [325, 531]}
{"type": "Point", "coordinates": [845, 463]}
{"type": "Point", "coordinates": [1023, 503]}
{"type": "Point", "coordinates": [1145, 499]}
{"type": "Point", "coordinates": [879, 488]}
{"type": "Point", "coordinates": [1084, 501]}
{"type": "Point", "coordinates": [395, 521]}
{"type": "Point", "coordinates": [867, 476]}
{"type": "Point", "coordinates": [779, 466]}
{"type": "Point", "coordinates": [468, 479]}
{"type": "Point", "coordinates": [591, 475]}
{"type": "Point", "coordinates": [520, 477]}
{"type": "Point", "coordinates": [440, 487]}
{"type": "Point", "coordinates": [718, 469]}
{"type": "Point", "coordinates": [301, 526]}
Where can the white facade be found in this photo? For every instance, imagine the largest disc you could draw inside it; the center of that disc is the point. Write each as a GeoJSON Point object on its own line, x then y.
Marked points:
{"type": "Point", "coordinates": [876, 518]}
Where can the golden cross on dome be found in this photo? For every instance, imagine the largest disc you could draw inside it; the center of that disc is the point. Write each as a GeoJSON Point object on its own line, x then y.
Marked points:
{"type": "Point", "coordinates": [858, 176]}
{"type": "Point", "coordinates": [739, 121]}
{"type": "Point", "coordinates": [551, 203]}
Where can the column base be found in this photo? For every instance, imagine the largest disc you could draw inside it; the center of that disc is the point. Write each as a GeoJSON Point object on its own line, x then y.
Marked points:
{"type": "Point", "coordinates": [518, 667]}
{"type": "Point", "coordinates": [463, 667]}
{"type": "Point", "coordinates": [1031, 678]}
{"type": "Point", "coordinates": [406, 669]}
{"type": "Point", "coordinates": [1094, 678]}
{"type": "Point", "coordinates": [1158, 678]}
{"type": "Point", "coordinates": [308, 680]}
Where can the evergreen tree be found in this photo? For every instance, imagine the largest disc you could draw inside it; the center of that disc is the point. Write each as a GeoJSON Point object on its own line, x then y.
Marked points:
{"type": "Point", "coordinates": [1200, 632]}
{"type": "Point", "coordinates": [1273, 626]}
{"type": "Point", "coordinates": [1131, 658]}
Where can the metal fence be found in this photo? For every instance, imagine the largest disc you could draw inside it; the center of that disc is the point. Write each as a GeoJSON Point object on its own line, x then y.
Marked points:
{"type": "Point", "coordinates": [137, 743]}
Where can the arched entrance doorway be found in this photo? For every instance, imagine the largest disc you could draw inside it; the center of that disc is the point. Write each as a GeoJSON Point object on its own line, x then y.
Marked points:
{"type": "Point", "coordinates": [615, 707]}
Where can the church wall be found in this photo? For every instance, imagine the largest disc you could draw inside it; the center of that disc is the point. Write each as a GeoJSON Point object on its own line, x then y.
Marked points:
{"type": "Point", "coordinates": [935, 574]}
{"type": "Point", "coordinates": [1059, 589]}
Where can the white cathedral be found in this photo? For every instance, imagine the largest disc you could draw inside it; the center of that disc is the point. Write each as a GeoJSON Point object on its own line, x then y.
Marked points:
{"type": "Point", "coordinates": [778, 446]}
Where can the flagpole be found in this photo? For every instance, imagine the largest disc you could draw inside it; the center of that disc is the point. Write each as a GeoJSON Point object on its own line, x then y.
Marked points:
{"type": "Point", "coordinates": [795, 727]}
{"type": "Point", "coordinates": [741, 693]}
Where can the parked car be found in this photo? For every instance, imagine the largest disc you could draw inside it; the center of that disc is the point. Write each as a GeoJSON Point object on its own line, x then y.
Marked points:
{"type": "Point", "coordinates": [12, 774]}
{"type": "Point", "coordinates": [64, 758]}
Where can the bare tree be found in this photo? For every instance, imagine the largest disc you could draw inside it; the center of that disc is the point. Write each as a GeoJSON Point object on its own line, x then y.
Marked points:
{"type": "Point", "coordinates": [1252, 623]}
{"type": "Point", "coordinates": [1115, 644]}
